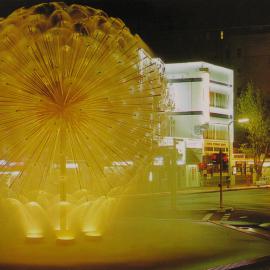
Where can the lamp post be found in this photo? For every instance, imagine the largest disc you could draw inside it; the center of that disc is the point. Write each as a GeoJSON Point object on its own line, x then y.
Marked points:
{"type": "Point", "coordinates": [229, 148]}
{"type": "Point", "coordinates": [241, 120]}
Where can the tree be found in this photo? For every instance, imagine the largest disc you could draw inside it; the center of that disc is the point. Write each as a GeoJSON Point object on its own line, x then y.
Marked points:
{"type": "Point", "coordinates": [251, 105]}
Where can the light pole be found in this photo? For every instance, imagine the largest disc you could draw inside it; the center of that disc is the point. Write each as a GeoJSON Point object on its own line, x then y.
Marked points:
{"type": "Point", "coordinates": [241, 120]}
{"type": "Point", "coordinates": [229, 149]}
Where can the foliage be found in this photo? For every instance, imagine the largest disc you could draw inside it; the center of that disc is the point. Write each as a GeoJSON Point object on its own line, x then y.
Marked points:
{"type": "Point", "coordinates": [251, 105]}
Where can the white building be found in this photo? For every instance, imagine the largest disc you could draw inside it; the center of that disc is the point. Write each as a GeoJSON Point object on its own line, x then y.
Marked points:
{"type": "Point", "coordinates": [202, 116]}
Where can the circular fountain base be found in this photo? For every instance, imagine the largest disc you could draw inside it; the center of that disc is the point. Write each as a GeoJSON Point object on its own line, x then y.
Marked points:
{"type": "Point", "coordinates": [65, 236]}
{"type": "Point", "coordinates": [34, 237]}
{"type": "Point", "coordinates": [93, 235]}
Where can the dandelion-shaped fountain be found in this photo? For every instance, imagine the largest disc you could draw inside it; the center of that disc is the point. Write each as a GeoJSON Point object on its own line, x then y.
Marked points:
{"type": "Point", "coordinates": [79, 108]}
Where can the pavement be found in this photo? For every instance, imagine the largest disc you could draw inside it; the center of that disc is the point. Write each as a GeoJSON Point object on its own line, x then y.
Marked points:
{"type": "Point", "coordinates": [143, 243]}
{"type": "Point", "coordinates": [255, 264]}
{"type": "Point", "coordinates": [248, 222]}
{"type": "Point", "coordinates": [149, 234]}
{"type": "Point", "coordinates": [225, 189]}
{"type": "Point", "coordinates": [246, 213]}
{"type": "Point", "coordinates": [196, 190]}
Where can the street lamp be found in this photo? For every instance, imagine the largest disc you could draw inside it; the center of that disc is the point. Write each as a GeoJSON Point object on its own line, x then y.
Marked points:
{"type": "Point", "coordinates": [243, 120]}
{"type": "Point", "coordinates": [240, 120]}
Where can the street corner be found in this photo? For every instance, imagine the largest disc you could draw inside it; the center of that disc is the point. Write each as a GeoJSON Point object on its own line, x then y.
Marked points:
{"type": "Point", "coordinates": [247, 221]}
{"type": "Point", "coordinates": [216, 215]}
{"type": "Point", "coordinates": [239, 217]}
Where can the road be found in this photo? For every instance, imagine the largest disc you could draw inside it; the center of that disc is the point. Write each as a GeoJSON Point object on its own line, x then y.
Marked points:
{"type": "Point", "coordinates": [148, 234]}
{"type": "Point", "coordinates": [250, 199]}
{"type": "Point", "coordinates": [228, 246]}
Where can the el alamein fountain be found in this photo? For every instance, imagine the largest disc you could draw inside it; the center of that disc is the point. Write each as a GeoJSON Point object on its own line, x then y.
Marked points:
{"type": "Point", "coordinates": [81, 106]}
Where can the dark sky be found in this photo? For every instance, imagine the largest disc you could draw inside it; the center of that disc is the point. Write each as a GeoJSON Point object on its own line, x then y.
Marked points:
{"type": "Point", "coordinates": [161, 23]}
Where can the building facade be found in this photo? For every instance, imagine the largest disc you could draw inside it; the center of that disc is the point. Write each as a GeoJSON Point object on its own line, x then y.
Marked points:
{"type": "Point", "coordinates": [201, 120]}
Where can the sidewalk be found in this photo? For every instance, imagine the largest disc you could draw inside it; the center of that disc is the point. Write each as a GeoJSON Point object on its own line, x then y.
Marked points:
{"type": "Point", "coordinates": [249, 223]}
{"type": "Point", "coordinates": [197, 190]}
{"type": "Point", "coordinates": [262, 263]}
{"type": "Point", "coordinates": [216, 189]}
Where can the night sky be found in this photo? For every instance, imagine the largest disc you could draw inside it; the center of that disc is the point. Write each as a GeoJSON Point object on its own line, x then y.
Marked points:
{"type": "Point", "coordinates": [167, 25]}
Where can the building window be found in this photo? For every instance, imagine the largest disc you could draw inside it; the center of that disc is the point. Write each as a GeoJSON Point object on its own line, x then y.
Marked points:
{"type": "Point", "coordinates": [219, 100]}
{"type": "Point", "coordinates": [216, 132]}
{"type": "Point", "coordinates": [221, 35]}
{"type": "Point", "coordinates": [217, 149]}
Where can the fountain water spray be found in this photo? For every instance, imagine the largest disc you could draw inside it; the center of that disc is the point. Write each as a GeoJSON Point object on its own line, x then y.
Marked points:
{"type": "Point", "coordinates": [80, 109]}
